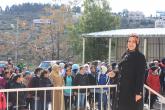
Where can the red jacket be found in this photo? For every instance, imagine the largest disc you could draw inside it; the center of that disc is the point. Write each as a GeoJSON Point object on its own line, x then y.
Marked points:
{"type": "Point", "coordinates": [153, 81]}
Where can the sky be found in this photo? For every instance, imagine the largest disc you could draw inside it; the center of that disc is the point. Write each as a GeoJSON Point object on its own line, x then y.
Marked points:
{"type": "Point", "coordinates": [148, 7]}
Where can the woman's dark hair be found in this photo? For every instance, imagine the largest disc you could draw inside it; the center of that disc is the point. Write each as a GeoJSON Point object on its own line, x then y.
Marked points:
{"type": "Point", "coordinates": [43, 72]}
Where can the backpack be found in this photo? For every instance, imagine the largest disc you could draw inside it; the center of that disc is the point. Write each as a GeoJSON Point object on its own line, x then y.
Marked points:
{"type": "Point", "coordinates": [2, 101]}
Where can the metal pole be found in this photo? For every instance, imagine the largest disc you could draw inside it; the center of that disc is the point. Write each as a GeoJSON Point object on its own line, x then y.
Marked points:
{"type": "Point", "coordinates": [94, 99]}
{"type": "Point", "coordinates": [145, 47]}
{"type": "Point", "coordinates": [17, 102]}
{"type": "Point", "coordinates": [7, 101]}
{"type": "Point", "coordinates": [45, 100]}
{"type": "Point", "coordinates": [58, 45]}
{"type": "Point", "coordinates": [36, 100]}
{"type": "Point", "coordinates": [108, 98]}
{"type": "Point", "coordinates": [78, 105]}
{"type": "Point", "coordinates": [83, 56]}
{"type": "Point", "coordinates": [109, 57]}
{"type": "Point", "coordinates": [86, 100]}
{"type": "Point", "coordinates": [70, 104]}
{"type": "Point", "coordinates": [161, 106]}
{"type": "Point", "coordinates": [159, 47]}
{"type": "Point", "coordinates": [149, 99]}
{"type": "Point", "coordinates": [16, 43]}
{"type": "Point", "coordinates": [101, 99]}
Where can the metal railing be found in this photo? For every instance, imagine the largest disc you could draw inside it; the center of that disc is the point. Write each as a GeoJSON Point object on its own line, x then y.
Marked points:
{"type": "Point", "coordinates": [160, 98]}
{"type": "Point", "coordinates": [100, 90]}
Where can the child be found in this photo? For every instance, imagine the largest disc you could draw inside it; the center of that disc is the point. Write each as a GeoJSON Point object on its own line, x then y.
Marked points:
{"type": "Point", "coordinates": [45, 82]}
{"type": "Point", "coordinates": [81, 79]}
{"type": "Point", "coordinates": [153, 81]}
{"type": "Point", "coordinates": [103, 79]}
{"type": "Point", "coordinates": [68, 79]}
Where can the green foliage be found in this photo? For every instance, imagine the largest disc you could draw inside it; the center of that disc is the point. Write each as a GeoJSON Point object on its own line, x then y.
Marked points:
{"type": "Point", "coordinates": [97, 17]}
{"type": "Point", "coordinates": [75, 42]}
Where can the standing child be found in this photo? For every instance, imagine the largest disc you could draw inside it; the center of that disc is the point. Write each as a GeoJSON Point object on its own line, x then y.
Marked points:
{"type": "Point", "coordinates": [81, 79]}
{"type": "Point", "coordinates": [68, 79]}
{"type": "Point", "coordinates": [153, 81]}
{"type": "Point", "coordinates": [103, 79]}
{"type": "Point", "coordinates": [45, 82]}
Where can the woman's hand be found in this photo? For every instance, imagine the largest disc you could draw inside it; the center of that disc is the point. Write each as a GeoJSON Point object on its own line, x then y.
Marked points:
{"type": "Point", "coordinates": [138, 97]}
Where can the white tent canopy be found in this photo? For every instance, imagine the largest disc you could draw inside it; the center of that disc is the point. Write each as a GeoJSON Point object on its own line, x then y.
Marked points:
{"type": "Point", "coordinates": [141, 32]}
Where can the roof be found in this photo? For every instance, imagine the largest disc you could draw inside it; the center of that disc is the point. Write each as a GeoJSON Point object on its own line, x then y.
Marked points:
{"type": "Point", "coordinates": [142, 32]}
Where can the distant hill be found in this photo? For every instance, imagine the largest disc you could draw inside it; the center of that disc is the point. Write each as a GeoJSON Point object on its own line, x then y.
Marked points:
{"type": "Point", "coordinates": [26, 12]}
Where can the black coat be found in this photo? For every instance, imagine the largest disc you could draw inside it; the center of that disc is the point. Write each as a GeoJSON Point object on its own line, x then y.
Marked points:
{"type": "Point", "coordinates": [45, 82]}
{"type": "Point", "coordinates": [21, 95]}
{"type": "Point", "coordinates": [131, 80]}
{"type": "Point", "coordinates": [92, 77]}
{"type": "Point", "coordinates": [81, 80]}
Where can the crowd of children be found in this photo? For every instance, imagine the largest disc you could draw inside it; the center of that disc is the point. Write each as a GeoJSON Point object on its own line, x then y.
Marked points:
{"type": "Point", "coordinates": [72, 75]}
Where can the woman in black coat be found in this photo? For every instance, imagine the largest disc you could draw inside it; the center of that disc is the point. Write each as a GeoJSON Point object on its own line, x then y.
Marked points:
{"type": "Point", "coordinates": [130, 77]}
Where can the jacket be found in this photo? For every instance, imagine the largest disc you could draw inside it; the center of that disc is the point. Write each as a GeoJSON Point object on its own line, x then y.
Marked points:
{"type": "Point", "coordinates": [81, 80]}
{"type": "Point", "coordinates": [153, 81]}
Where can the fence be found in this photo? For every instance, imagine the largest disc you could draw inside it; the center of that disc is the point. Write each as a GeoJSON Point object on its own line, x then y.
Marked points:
{"type": "Point", "coordinates": [99, 89]}
{"type": "Point", "coordinates": [161, 99]}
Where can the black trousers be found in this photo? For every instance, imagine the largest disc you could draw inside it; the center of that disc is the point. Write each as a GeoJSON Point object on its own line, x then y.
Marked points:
{"type": "Point", "coordinates": [153, 99]}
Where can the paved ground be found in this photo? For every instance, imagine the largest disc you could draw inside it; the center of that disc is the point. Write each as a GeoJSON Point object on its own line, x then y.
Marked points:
{"type": "Point", "coordinates": [157, 106]}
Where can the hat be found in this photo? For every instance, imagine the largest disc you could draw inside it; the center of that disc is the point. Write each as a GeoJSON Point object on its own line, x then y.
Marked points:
{"type": "Point", "coordinates": [103, 69]}
{"type": "Point", "coordinates": [86, 65]}
{"type": "Point", "coordinates": [75, 66]}
{"type": "Point", "coordinates": [62, 65]}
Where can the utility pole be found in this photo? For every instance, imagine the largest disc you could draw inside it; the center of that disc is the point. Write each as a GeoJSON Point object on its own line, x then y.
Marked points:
{"type": "Point", "coordinates": [58, 45]}
{"type": "Point", "coordinates": [16, 42]}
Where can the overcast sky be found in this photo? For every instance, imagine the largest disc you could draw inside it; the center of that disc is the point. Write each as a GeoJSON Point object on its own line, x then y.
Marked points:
{"type": "Point", "coordinates": [148, 7]}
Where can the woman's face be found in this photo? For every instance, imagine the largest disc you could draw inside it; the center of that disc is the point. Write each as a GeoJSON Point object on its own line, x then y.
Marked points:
{"type": "Point", "coordinates": [131, 43]}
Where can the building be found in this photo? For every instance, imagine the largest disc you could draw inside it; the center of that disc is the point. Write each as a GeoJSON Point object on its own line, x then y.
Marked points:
{"type": "Point", "coordinates": [135, 15]}
{"type": "Point", "coordinates": [160, 23]}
